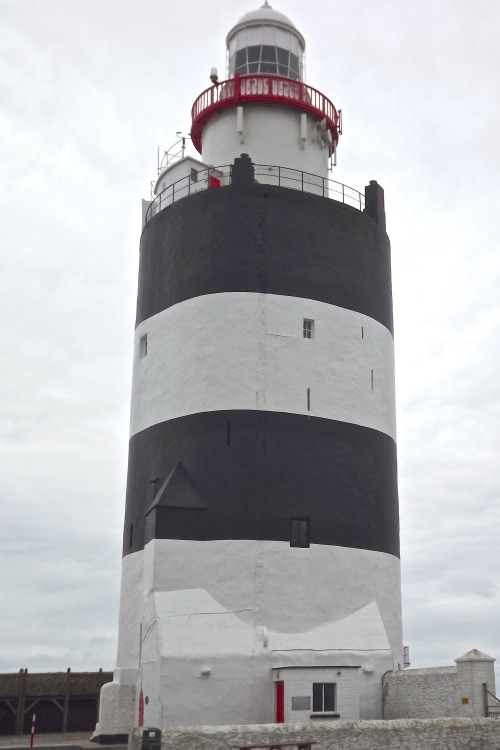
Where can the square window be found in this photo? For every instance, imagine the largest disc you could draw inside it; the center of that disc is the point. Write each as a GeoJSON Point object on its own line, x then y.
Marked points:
{"type": "Point", "coordinates": [143, 346]}
{"type": "Point", "coordinates": [308, 328]}
{"type": "Point", "coordinates": [299, 532]}
{"type": "Point", "coordinates": [324, 696]}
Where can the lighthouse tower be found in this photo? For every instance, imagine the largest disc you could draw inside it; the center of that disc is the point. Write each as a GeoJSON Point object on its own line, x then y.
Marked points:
{"type": "Point", "coordinates": [261, 577]}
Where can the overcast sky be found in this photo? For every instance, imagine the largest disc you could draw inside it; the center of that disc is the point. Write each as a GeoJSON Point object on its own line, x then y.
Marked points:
{"type": "Point", "coordinates": [88, 90]}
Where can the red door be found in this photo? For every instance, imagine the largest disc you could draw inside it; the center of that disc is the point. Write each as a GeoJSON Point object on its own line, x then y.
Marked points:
{"type": "Point", "coordinates": [279, 699]}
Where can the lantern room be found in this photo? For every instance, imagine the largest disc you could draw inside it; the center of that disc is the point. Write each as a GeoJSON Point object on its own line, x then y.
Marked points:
{"type": "Point", "coordinates": [264, 108]}
{"type": "Point", "coordinates": [265, 41]}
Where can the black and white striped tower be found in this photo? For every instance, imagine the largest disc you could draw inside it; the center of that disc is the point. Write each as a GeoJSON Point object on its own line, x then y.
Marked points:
{"type": "Point", "coordinates": [261, 546]}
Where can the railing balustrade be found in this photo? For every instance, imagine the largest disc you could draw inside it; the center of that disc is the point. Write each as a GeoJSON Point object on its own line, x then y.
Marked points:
{"type": "Point", "coordinates": [268, 174]}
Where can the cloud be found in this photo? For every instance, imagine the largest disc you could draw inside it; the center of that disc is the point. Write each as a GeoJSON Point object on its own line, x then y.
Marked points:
{"type": "Point", "coordinates": [88, 90]}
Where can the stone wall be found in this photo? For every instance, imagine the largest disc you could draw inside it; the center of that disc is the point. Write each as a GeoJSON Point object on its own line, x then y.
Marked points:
{"type": "Point", "coordinates": [465, 691]}
{"type": "Point", "coordinates": [404, 734]}
{"type": "Point", "coordinates": [421, 693]}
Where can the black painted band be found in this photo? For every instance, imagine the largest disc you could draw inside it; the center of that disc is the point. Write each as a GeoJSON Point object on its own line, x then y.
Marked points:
{"type": "Point", "coordinates": [246, 482]}
{"type": "Point", "coordinates": [265, 239]}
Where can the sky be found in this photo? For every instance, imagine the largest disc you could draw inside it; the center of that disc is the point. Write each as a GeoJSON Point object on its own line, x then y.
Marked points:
{"type": "Point", "coordinates": [88, 90]}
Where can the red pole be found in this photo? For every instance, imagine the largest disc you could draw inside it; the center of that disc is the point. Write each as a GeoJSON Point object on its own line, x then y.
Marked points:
{"type": "Point", "coordinates": [141, 709]}
{"type": "Point", "coordinates": [33, 722]}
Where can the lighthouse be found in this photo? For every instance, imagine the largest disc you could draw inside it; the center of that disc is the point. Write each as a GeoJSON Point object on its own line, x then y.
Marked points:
{"type": "Point", "coordinates": [261, 575]}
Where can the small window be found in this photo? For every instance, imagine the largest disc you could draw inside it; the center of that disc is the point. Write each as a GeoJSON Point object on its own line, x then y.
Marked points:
{"type": "Point", "coordinates": [308, 329]}
{"type": "Point", "coordinates": [299, 532]}
{"type": "Point", "coordinates": [194, 175]}
{"type": "Point", "coordinates": [143, 346]}
{"type": "Point", "coordinates": [324, 696]}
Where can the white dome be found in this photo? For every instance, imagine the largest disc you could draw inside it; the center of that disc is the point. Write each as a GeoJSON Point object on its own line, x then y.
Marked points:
{"type": "Point", "coordinates": [267, 16]}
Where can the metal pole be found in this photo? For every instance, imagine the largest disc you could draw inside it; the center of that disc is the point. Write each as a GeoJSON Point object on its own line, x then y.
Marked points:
{"type": "Point", "coordinates": [33, 723]}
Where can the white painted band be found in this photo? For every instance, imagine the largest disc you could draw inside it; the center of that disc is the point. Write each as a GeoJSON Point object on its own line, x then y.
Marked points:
{"type": "Point", "coordinates": [243, 350]}
{"type": "Point", "coordinates": [295, 594]}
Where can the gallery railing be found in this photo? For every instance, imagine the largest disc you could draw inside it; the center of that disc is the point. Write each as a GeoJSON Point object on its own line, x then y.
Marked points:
{"type": "Point", "coordinates": [295, 179]}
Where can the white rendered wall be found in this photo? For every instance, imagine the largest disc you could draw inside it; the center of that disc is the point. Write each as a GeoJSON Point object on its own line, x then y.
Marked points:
{"type": "Point", "coordinates": [117, 705]}
{"type": "Point", "coordinates": [130, 618]}
{"type": "Point", "coordinates": [176, 182]}
{"type": "Point", "coordinates": [271, 135]}
{"type": "Point", "coordinates": [241, 350]}
{"type": "Point", "coordinates": [280, 607]}
{"type": "Point", "coordinates": [299, 682]}
{"type": "Point", "coordinates": [472, 674]}
{"type": "Point", "coordinates": [345, 580]}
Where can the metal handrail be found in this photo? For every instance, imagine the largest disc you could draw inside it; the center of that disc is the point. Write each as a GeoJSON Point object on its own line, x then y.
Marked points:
{"type": "Point", "coordinates": [323, 186]}
{"type": "Point", "coordinates": [495, 713]}
{"type": "Point", "coordinates": [259, 87]}
{"type": "Point", "coordinates": [287, 177]}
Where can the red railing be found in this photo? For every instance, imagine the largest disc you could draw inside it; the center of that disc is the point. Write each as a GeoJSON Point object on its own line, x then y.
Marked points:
{"type": "Point", "coordinates": [241, 89]}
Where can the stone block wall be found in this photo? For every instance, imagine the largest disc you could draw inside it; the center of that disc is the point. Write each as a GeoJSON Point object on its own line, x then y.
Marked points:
{"type": "Point", "coordinates": [404, 734]}
{"type": "Point", "coordinates": [421, 693]}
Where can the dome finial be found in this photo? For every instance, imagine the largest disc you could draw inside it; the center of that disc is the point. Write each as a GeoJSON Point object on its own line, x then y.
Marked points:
{"type": "Point", "coordinates": [266, 5]}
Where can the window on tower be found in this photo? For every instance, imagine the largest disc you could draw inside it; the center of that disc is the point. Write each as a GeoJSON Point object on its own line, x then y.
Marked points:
{"type": "Point", "coordinates": [299, 532]}
{"type": "Point", "coordinates": [308, 328]}
{"type": "Point", "coordinates": [143, 346]}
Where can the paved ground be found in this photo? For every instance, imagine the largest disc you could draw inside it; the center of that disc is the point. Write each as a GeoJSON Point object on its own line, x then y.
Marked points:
{"type": "Point", "coordinates": [60, 741]}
